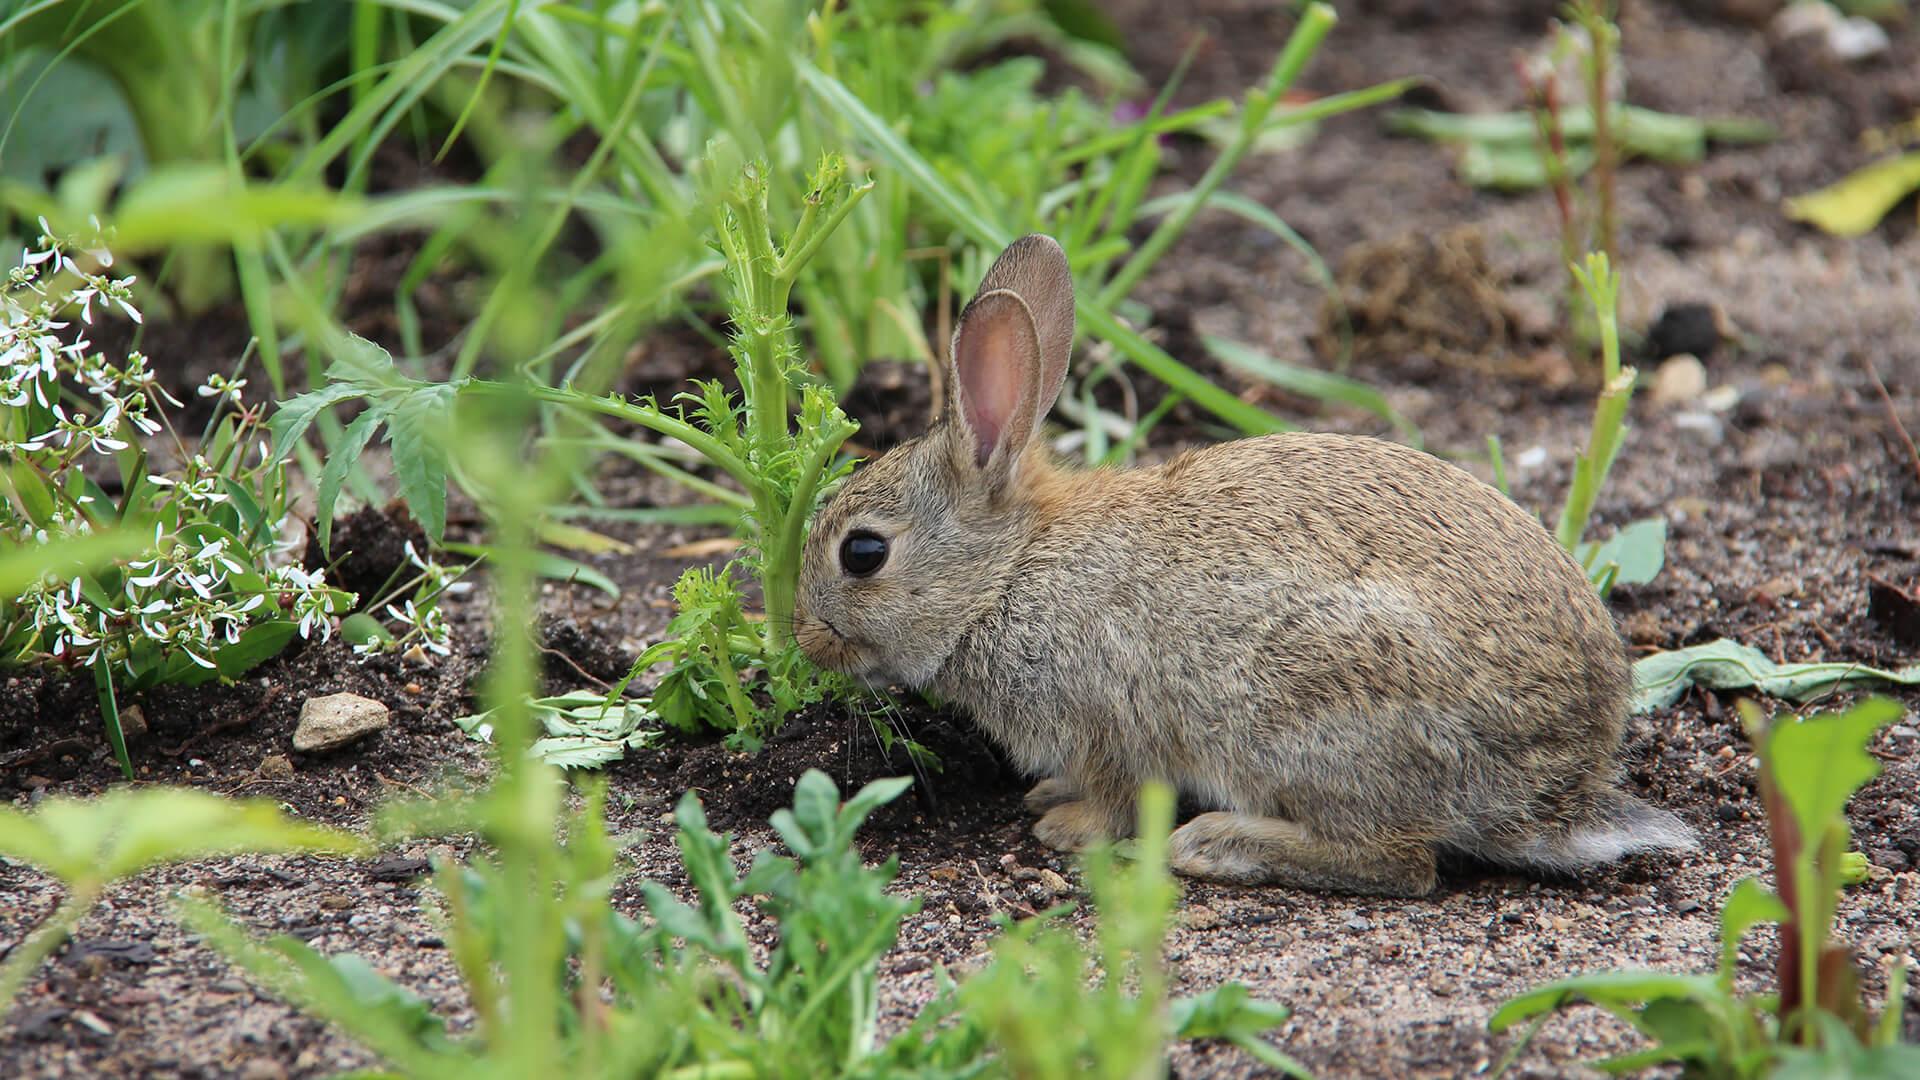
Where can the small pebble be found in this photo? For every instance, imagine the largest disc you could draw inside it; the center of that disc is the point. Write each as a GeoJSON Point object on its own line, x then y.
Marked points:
{"type": "Point", "coordinates": [1201, 917]}
{"type": "Point", "coordinates": [1678, 381]}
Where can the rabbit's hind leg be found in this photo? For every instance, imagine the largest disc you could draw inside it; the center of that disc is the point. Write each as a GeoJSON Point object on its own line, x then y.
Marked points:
{"type": "Point", "coordinates": [1049, 793]}
{"type": "Point", "coordinates": [1246, 849]}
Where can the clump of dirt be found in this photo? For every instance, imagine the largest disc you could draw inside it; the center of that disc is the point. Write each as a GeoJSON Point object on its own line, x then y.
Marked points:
{"type": "Point", "coordinates": [569, 650]}
{"type": "Point", "coordinates": [957, 768]}
{"type": "Point", "coordinates": [1426, 294]}
{"type": "Point", "coordinates": [369, 549]}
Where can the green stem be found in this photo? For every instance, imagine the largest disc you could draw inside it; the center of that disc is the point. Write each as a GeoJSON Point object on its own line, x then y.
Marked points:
{"type": "Point", "coordinates": [25, 959]}
{"type": "Point", "coordinates": [780, 578]}
{"type": "Point", "coordinates": [1314, 25]}
{"type": "Point", "coordinates": [648, 416]}
{"type": "Point", "coordinates": [1590, 475]}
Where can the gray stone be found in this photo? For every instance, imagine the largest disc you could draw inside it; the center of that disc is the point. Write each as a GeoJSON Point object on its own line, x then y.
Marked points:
{"type": "Point", "coordinates": [336, 720]}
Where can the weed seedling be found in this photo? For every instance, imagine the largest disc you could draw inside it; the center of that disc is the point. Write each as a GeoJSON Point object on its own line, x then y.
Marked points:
{"type": "Point", "coordinates": [1811, 1021]}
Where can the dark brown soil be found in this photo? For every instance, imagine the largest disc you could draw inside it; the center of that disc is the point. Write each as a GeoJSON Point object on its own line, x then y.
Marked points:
{"type": "Point", "coordinates": [1784, 504]}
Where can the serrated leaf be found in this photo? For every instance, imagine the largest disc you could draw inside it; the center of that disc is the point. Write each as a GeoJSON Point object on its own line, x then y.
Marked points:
{"type": "Point", "coordinates": [416, 431]}
{"type": "Point", "coordinates": [340, 462]}
{"type": "Point", "coordinates": [292, 418]}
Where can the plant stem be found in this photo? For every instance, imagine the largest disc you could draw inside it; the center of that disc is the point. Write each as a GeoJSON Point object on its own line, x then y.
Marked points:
{"type": "Point", "coordinates": [1314, 25]}
{"type": "Point", "coordinates": [26, 958]}
{"type": "Point", "coordinates": [645, 414]}
{"type": "Point", "coordinates": [1601, 38]}
{"type": "Point", "coordinates": [1602, 287]}
{"type": "Point", "coordinates": [781, 576]}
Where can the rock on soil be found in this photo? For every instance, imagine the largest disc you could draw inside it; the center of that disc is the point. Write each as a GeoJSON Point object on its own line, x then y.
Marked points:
{"type": "Point", "coordinates": [336, 720]}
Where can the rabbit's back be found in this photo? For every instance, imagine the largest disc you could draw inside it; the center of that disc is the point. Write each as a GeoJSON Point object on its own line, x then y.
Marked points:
{"type": "Point", "coordinates": [1314, 625]}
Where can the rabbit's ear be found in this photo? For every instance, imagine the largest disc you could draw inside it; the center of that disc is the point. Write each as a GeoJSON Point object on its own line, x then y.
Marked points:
{"type": "Point", "coordinates": [996, 374]}
{"type": "Point", "coordinates": [1035, 269]}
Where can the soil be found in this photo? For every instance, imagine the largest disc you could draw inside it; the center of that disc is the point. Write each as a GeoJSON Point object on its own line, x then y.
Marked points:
{"type": "Point", "coordinates": [1787, 487]}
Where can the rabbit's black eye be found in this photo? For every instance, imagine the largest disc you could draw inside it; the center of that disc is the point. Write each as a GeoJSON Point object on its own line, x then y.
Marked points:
{"type": "Point", "coordinates": [862, 552]}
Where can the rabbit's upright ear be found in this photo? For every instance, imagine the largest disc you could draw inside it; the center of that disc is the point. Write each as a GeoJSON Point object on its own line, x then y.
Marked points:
{"type": "Point", "coordinates": [1034, 268]}
{"type": "Point", "coordinates": [996, 378]}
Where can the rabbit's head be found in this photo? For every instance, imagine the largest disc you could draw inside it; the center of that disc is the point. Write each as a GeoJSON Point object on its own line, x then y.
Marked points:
{"type": "Point", "coordinates": [918, 543]}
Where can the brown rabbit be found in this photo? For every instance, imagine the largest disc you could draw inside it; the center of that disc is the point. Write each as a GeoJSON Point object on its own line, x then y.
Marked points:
{"type": "Point", "coordinates": [1361, 655]}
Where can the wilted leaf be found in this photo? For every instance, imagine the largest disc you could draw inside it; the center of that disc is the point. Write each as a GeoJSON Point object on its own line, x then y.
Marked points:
{"type": "Point", "coordinates": [1854, 205]}
{"type": "Point", "coordinates": [1659, 680]}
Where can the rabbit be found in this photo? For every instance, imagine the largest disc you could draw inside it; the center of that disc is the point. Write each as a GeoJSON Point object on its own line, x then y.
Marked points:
{"type": "Point", "coordinates": [1359, 655]}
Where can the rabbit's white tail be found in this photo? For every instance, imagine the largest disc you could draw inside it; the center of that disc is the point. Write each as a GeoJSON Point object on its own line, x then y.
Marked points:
{"type": "Point", "coordinates": [1617, 825]}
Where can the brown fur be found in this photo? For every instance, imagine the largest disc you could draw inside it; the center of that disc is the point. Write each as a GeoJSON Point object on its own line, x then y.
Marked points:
{"type": "Point", "coordinates": [1361, 654]}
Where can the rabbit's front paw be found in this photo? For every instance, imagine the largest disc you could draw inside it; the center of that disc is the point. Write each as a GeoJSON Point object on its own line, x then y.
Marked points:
{"type": "Point", "coordinates": [1049, 793]}
{"type": "Point", "coordinates": [1073, 826]}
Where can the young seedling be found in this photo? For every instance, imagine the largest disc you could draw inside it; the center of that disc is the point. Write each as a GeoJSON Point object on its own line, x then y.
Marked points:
{"type": "Point", "coordinates": [1634, 554]}
{"type": "Point", "coordinates": [1812, 1022]}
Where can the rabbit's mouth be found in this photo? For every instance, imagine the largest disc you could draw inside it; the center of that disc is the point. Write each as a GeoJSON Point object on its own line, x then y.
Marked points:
{"type": "Point", "coordinates": [824, 644]}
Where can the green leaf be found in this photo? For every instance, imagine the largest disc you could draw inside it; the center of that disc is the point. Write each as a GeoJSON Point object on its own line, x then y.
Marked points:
{"type": "Point", "coordinates": [67, 556]}
{"type": "Point", "coordinates": [129, 829]}
{"type": "Point", "coordinates": [416, 430]}
{"type": "Point", "coordinates": [205, 204]}
{"type": "Point", "coordinates": [1661, 679]}
{"type": "Point", "coordinates": [1638, 549]}
{"type": "Point", "coordinates": [30, 491]}
{"type": "Point", "coordinates": [548, 565]}
{"type": "Point", "coordinates": [872, 797]}
{"type": "Point", "coordinates": [293, 417]}
{"type": "Point", "coordinates": [340, 461]}
{"type": "Point", "coordinates": [1307, 382]}
{"type": "Point", "coordinates": [1606, 988]}
{"type": "Point", "coordinates": [360, 628]}
{"type": "Point", "coordinates": [1854, 205]}
{"type": "Point", "coordinates": [1748, 905]}
{"type": "Point", "coordinates": [1819, 762]}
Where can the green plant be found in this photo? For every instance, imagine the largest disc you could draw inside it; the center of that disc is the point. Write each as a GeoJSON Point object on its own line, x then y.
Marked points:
{"type": "Point", "coordinates": [211, 592]}
{"type": "Point", "coordinates": [154, 84]}
{"type": "Point", "coordinates": [1057, 1010]}
{"type": "Point", "coordinates": [1635, 552]}
{"type": "Point", "coordinates": [783, 463]}
{"type": "Point", "coordinates": [686, 993]}
{"type": "Point", "coordinates": [1812, 1021]}
{"type": "Point", "coordinates": [1096, 213]}
{"type": "Point", "coordinates": [89, 844]}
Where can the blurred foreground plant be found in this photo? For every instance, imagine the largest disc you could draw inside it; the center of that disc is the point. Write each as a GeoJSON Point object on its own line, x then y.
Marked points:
{"type": "Point", "coordinates": [1811, 1022]}
{"type": "Point", "coordinates": [90, 843]}
{"type": "Point", "coordinates": [685, 992]}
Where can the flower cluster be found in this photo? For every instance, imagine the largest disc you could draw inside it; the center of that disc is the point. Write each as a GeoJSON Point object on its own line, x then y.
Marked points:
{"type": "Point", "coordinates": [220, 563]}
